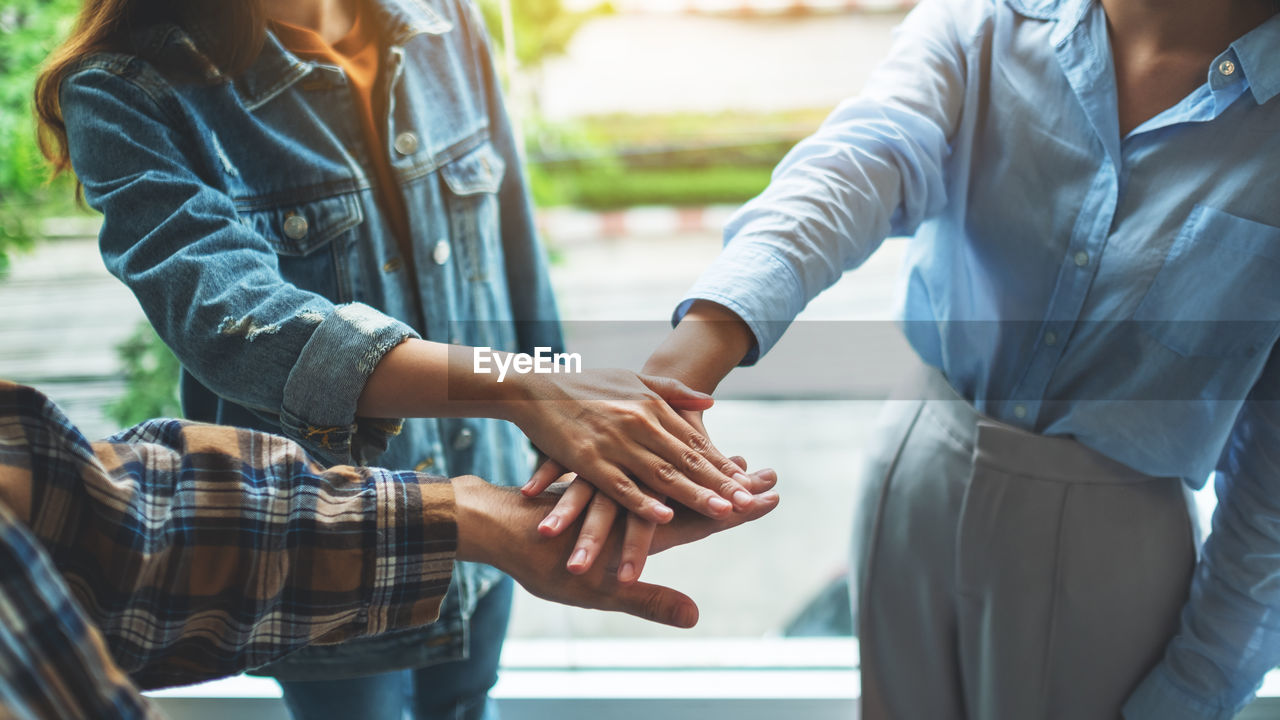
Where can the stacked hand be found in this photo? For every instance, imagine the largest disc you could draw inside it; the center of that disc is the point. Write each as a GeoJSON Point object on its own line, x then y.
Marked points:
{"type": "Point", "coordinates": [600, 501]}
{"type": "Point", "coordinates": [624, 432]}
{"type": "Point", "coordinates": [496, 526]}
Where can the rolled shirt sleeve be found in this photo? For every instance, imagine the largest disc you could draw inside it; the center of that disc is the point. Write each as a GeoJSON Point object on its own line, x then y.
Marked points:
{"type": "Point", "coordinates": [874, 168]}
{"type": "Point", "coordinates": [209, 284]}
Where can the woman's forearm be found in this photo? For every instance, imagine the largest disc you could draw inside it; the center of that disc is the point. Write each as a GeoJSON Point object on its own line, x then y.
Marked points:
{"type": "Point", "coordinates": [709, 342]}
{"type": "Point", "coordinates": [419, 378]}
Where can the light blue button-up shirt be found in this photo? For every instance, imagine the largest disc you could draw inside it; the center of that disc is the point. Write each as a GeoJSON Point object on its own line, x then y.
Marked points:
{"type": "Point", "coordinates": [1124, 291]}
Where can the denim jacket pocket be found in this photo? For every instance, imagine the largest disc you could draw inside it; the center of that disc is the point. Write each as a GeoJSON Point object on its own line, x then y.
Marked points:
{"type": "Point", "coordinates": [310, 240]}
{"type": "Point", "coordinates": [472, 182]}
{"type": "Point", "coordinates": [301, 229]}
{"type": "Point", "coordinates": [1218, 292]}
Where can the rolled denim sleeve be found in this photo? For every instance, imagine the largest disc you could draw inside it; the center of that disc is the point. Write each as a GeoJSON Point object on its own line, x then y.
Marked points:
{"type": "Point", "coordinates": [1229, 634]}
{"type": "Point", "coordinates": [874, 168]}
{"type": "Point", "coordinates": [208, 282]}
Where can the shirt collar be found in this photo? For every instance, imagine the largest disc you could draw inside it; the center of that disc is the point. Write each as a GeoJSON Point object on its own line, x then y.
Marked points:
{"type": "Point", "coordinates": [1069, 14]}
{"type": "Point", "coordinates": [1039, 9]}
{"type": "Point", "coordinates": [1255, 55]}
{"type": "Point", "coordinates": [1257, 59]}
{"type": "Point", "coordinates": [276, 69]}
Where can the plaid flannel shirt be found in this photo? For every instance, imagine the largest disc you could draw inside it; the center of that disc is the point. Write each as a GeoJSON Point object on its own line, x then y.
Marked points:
{"type": "Point", "coordinates": [176, 552]}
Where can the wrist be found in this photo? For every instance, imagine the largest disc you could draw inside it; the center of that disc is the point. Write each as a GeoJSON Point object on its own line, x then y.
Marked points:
{"type": "Point", "coordinates": [482, 519]}
{"type": "Point", "coordinates": [707, 344]}
{"type": "Point", "coordinates": [488, 392]}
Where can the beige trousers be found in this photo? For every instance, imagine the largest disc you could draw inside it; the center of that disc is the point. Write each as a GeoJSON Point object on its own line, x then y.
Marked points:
{"type": "Point", "coordinates": [1003, 575]}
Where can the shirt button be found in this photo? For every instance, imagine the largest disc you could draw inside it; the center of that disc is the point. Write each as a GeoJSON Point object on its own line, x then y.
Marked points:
{"type": "Point", "coordinates": [1051, 338]}
{"type": "Point", "coordinates": [465, 438]}
{"type": "Point", "coordinates": [406, 143]}
{"type": "Point", "coordinates": [1082, 258]}
{"type": "Point", "coordinates": [425, 464]}
{"type": "Point", "coordinates": [440, 253]}
{"type": "Point", "coordinates": [1226, 67]}
{"type": "Point", "coordinates": [295, 227]}
{"type": "Point", "coordinates": [1020, 411]}
{"type": "Point", "coordinates": [393, 265]}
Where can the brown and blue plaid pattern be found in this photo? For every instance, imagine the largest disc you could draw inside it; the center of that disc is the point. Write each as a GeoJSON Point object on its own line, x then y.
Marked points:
{"type": "Point", "coordinates": [196, 551]}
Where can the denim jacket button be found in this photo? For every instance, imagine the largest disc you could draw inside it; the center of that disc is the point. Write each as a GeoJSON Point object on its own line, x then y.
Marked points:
{"type": "Point", "coordinates": [440, 253]}
{"type": "Point", "coordinates": [406, 143]}
{"type": "Point", "coordinates": [465, 438]}
{"type": "Point", "coordinates": [295, 227]}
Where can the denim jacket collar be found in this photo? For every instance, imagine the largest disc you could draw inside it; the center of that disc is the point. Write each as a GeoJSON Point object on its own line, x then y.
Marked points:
{"type": "Point", "coordinates": [276, 69]}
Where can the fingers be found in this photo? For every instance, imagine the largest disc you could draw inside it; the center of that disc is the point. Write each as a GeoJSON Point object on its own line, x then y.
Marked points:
{"type": "Point", "coordinates": [689, 467]}
{"type": "Point", "coordinates": [677, 394]}
{"type": "Point", "coordinates": [761, 480]}
{"type": "Point", "coordinates": [594, 534]}
{"type": "Point", "coordinates": [623, 490]}
{"type": "Point", "coordinates": [688, 528]}
{"type": "Point", "coordinates": [567, 509]}
{"type": "Point", "coordinates": [636, 539]}
{"type": "Point", "coordinates": [656, 603]}
{"type": "Point", "coordinates": [666, 479]}
{"type": "Point", "coordinates": [546, 474]}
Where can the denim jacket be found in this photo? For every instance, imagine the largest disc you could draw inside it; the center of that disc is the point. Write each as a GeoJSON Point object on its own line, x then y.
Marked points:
{"type": "Point", "coordinates": [241, 214]}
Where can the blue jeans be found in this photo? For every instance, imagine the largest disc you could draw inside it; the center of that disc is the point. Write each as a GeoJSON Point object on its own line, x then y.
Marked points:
{"type": "Point", "coordinates": [448, 691]}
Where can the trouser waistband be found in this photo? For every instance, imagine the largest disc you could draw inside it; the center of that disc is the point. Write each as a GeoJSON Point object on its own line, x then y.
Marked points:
{"type": "Point", "coordinates": [998, 444]}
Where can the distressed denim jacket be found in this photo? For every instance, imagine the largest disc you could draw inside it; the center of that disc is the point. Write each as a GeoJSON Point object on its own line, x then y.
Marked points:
{"type": "Point", "coordinates": [241, 213]}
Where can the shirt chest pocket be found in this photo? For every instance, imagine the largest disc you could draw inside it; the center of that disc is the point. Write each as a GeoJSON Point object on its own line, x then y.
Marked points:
{"type": "Point", "coordinates": [1218, 292]}
{"type": "Point", "coordinates": [471, 184]}
{"type": "Point", "coordinates": [310, 240]}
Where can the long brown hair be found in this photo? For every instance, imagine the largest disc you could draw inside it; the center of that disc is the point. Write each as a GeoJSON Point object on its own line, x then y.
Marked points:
{"type": "Point", "coordinates": [229, 33]}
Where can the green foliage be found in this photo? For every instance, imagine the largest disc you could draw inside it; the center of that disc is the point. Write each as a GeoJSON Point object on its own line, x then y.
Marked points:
{"type": "Point", "coordinates": [689, 128]}
{"type": "Point", "coordinates": [29, 30]}
{"type": "Point", "coordinates": [684, 159]}
{"type": "Point", "coordinates": [151, 379]}
{"type": "Point", "coordinates": [542, 28]}
{"type": "Point", "coordinates": [612, 188]}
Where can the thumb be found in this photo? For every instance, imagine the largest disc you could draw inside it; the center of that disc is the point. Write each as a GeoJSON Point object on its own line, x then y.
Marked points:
{"type": "Point", "coordinates": [677, 394]}
{"type": "Point", "coordinates": [656, 603]}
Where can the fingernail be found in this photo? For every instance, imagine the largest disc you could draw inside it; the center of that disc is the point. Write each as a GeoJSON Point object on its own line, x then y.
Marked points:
{"type": "Point", "coordinates": [528, 487]}
{"type": "Point", "coordinates": [662, 511]}
{"type": "Point", "coordinates": [687, 616]}
{"type": "Point", "coordinates": [627, 572]}
{"type": "Point", "coordinates": [742, 478]}
{"type": "Point", "coordinates": [578, 559]}
{"type": "Point", "coordinates": [551, 523]}
{"type": "Point", "coordinates": [742, 499]}
{"type": "Point", "coordinates": [719, 504]}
